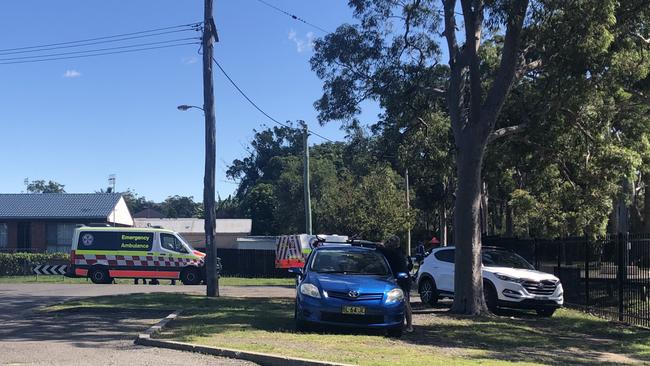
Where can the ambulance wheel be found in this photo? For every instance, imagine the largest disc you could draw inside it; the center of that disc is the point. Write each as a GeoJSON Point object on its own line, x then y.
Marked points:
{"type": "Point", "coordinates": [99, 275]}
{"type": "Point", "coordinates": [190, 276]}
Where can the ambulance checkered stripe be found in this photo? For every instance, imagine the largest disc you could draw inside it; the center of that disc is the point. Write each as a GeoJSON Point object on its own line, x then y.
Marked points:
{"type": "Point", "coordinates": [134, 260]}
{"type": "Point", "coordinates": [288, 248]}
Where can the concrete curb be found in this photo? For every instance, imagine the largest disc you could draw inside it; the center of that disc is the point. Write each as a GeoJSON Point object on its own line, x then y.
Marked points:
{"type": "Point", "coordinates": [263, 359]}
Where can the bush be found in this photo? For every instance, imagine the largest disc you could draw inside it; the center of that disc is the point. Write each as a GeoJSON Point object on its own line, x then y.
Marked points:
{"type": "Point", "coordinates": [20, 264]}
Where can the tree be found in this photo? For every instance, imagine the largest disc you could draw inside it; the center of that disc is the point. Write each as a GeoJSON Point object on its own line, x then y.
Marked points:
{"type": "Point", "coordinates": [371, 61]}
{"type": "Point", "coordinates": [179, 206]}
{"type": "Point", "coordinates": [137, 203]}
{"type": "Point", "coordinates": [558, 47]}
{"type": "Point", "coordinates": [39, 186]}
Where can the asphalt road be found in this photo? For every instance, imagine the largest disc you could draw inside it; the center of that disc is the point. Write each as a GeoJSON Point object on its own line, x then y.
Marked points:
{"type": "Point", "coordinates": [89, 337]}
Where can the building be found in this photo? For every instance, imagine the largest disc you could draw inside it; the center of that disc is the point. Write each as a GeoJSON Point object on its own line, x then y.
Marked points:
{"type": "Point", "coordinates": [39, 222]}
{"type": "Point", "coordinates": [192, 229]}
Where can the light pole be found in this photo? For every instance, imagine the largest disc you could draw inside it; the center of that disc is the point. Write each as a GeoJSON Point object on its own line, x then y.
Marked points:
{"type": "Point", "coordinates": [184, 107]}
{"type": "Point", "coordinates": [211, 270]}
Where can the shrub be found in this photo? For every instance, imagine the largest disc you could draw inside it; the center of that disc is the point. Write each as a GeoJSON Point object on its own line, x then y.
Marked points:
{"type": "Point", "coordinates": [19, 264]}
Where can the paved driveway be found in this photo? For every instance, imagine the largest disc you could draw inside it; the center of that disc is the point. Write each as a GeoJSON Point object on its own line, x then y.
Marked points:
{"type": "Point", "coordinates": [88, 337]}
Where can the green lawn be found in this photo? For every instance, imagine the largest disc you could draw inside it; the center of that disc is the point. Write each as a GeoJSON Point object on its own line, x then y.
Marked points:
{"type": "Point", "coordinates": [225, 281]}
{"type": "Point", "coordinates": [266, 325]}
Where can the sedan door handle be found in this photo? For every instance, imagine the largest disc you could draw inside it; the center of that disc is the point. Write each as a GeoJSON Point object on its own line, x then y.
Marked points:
{"type": "Point", "coordinates": [149, 253]}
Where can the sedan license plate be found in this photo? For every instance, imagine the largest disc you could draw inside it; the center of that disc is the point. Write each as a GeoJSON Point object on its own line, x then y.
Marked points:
{"type": "Point", "coordinates": [354, 310]}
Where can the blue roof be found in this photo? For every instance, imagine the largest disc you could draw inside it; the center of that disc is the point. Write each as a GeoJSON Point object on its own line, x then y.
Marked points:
{"type": "Point", "coordinates": [57, 205]}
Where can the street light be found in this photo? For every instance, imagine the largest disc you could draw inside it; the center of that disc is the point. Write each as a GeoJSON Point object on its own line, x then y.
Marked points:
{"type": "Point", "coordinates": [184, 107]}
{"type": "Point", "coordinates": [211, 259]}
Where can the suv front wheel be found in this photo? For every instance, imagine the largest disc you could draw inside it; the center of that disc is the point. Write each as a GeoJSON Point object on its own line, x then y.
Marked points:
{"type": "Point", "coordinates": [490, 296]}
{"type": "Point", "coordinates": [428, 292]}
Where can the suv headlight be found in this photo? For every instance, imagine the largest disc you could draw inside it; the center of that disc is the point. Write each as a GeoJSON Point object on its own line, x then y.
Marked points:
{"type": "Point", "coordinates": [310, 290]}
{"type": "Point", "coordinates": [395, 295]}
{"type": "Point", "coordinates": [503, 277]}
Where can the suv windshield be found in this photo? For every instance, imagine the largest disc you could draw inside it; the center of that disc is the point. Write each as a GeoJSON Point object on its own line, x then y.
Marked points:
{"type": "Point", "coordinates": [364, 262]}
{"type": "Point", "coordinates": [502, 258]}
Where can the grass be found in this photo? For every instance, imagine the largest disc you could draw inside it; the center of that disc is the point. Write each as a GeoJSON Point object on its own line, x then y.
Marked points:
{"type": "Point", "coordinates": [266, 325]}
{"type": "Point", "coordinates": [224, 281]}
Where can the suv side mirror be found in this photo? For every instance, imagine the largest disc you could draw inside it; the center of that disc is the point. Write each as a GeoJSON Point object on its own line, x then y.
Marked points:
{"type": "Point", "coordinates": [295, 270]}
{"type": "Point", "coordinates": [402, 276]}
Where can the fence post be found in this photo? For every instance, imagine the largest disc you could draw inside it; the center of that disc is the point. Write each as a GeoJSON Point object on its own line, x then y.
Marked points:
{"type": "Point", "coordinates": [586, 271]}
{"type": "Point", "coordinates": [559, 256]}
{"type": "Point", "coordinates": [619, 277]}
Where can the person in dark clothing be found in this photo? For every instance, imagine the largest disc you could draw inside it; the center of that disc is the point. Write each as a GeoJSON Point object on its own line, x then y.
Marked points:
{"type": "Point", "coordinates": [391, 249]}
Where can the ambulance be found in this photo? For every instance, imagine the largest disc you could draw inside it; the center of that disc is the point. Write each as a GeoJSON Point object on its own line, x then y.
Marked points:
{"type": "Point", "coordinates": [105, 253]}
{"type": "Point", "coordinates": [291, 251]}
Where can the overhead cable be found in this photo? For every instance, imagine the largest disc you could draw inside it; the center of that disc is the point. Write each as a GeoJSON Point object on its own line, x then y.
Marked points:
{"type": "Point", "coordinates": [256, 106]}
{"type": "Point", "coordinates": [293, 16]}
{"type": "Point", "coordinates": [197, 24]}
{"type": "Point", "coordinates": [99, 54]}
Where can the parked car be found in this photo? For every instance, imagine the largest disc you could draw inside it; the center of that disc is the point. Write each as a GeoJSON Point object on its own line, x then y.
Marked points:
{"type": "Point", "coordinates": [348, 286]}
{"type": "Point", "coordinates": [508, 281]}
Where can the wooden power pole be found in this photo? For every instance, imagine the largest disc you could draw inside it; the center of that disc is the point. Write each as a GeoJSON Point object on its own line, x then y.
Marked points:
{"type": "Point", "coordinates": [209, 37]}
{"type": "Point", "coordinates": [307, 192]}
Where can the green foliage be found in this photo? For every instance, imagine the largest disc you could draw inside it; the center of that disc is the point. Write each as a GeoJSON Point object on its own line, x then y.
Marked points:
{"type": "Point", "coordinates": [15, 264]}
{"type": "Point", "coordinates": [350, 192]}
{"type": "Point", "coordinates": [39, 186]}
{"type": "Point", "coordinates": [179, 206]}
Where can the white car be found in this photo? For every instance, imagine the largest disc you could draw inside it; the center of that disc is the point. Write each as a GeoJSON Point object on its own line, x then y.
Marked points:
{"type": "Point", "coordinates": [508, 281]}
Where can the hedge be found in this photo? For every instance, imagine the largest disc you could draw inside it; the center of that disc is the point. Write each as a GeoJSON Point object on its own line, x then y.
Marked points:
{"type": "Point", "coordinates": [20, 264]}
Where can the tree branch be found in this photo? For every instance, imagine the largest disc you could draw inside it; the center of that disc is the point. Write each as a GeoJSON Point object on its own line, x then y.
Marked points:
{"type": "Point", "coordinates": [473, 15]}
{"type": "Point", "coordinates": [455, 65]}
{"type": "Point", "coordinates": [526, 68]}
{"type": "Point", "coordinates": [506, 131]}
{"type": "Point", "coordinates": [642, 38]}
{"type": "Point", "coordinates": [505, 73]}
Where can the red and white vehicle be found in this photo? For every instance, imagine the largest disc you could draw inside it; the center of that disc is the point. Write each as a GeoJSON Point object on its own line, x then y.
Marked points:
{"type": "Point", "coordinates": [104, 253]}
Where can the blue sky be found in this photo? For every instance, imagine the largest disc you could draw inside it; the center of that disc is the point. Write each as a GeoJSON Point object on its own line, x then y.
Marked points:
{"type": "Point", "coordinates": [76, 121]}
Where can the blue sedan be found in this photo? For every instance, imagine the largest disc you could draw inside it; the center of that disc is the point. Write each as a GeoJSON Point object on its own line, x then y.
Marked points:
{"type": "Point", "coordinates": [349, 286]}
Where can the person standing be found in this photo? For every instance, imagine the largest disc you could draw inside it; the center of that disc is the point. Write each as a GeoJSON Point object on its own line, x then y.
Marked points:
{"type": "Point", "coordinates": [391, 249]}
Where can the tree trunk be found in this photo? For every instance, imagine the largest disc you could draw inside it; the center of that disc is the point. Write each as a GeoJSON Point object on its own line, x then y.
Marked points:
{"type": "Point", "coordinates": [484, 209]}
{"type": "Point", "coordinates": [468, 279]}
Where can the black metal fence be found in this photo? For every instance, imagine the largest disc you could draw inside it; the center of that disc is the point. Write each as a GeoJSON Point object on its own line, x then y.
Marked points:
{"type": "Point", "coordinates": [250, 263]}
{"type": "Point", "coordinates": [609, 277]}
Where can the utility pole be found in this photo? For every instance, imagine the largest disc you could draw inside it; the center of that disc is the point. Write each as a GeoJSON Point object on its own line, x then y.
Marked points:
{"type": "Point", "coordinates": [209, 37]}
{"type": "Point", "coordinates": [306, 183]}
{"type": "Point", "coordinates": [408, 209]}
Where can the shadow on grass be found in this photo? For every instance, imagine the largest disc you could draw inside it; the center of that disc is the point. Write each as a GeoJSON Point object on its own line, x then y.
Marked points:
{"type": "Point", "coordinates": [569, 337]}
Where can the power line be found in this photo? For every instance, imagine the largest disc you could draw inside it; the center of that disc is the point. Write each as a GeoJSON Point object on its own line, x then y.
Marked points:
{"type": "Point", "coordinates": [293, 16]}
{"type": "Point", "coordinates": [99, 54]}
{"type": "Point", "coordinates": [98, 49]}
{"type": "Point", "coordinates": [196, 24]}
{"type": "Point", "coordinates": [94, 43]}
{"type": "Point", "coordinates": [256, 106]}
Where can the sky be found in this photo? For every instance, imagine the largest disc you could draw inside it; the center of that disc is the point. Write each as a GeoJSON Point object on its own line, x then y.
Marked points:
{"type": "Point", "coordinates": [76, 121]}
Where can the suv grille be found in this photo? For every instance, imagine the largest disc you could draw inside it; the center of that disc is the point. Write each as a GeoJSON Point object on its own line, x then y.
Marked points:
{"type": "Point", "coordinates": [346, 296]}
{"type": "Point", "coordinates": [351, 319]}
{"type": "Point", "coordinates": [540, 288]}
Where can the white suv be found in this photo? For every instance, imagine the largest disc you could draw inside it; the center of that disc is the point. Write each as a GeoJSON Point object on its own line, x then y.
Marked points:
{"type": "Point", "coordinates": [508, 281]}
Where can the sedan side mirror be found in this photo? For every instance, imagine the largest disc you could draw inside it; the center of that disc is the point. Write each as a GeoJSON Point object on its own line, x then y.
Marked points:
{"type": "Point", "coordinates": [402, 276]}
{"type": "Point", "coordinates": [296, 270]}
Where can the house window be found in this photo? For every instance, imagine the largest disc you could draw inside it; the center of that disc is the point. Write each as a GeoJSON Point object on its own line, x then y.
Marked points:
{"type": "Point", "coordinates": [4, 237]}
{"type": "Point", "coordinates": [59, 237]}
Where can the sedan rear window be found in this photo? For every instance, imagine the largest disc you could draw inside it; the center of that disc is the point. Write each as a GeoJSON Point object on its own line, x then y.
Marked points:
{"type": "Point", "coordinates": [350, 262]}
